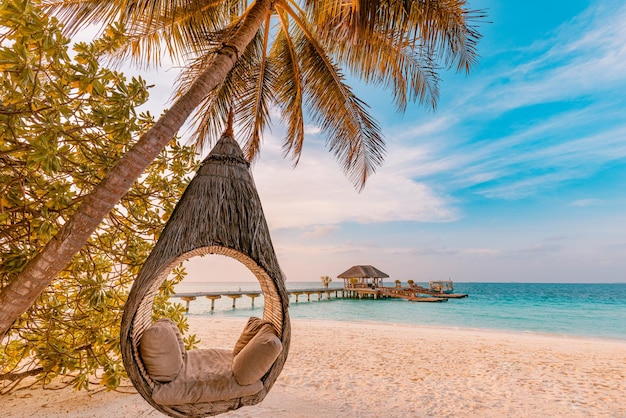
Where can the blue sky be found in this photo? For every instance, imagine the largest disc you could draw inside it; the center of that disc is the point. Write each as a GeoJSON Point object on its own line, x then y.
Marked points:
{"type": "Point", "coordinates": [518, 175]}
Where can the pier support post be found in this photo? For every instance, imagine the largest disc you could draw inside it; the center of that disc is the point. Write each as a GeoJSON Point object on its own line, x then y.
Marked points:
{"type": "Point", "coordinates": [252, 296]}
{"type": "Point", "coordinates": [234, 298]}
{"type": "Point", "coordinates": [213, 297]}
{"type": "Point", "coordinates": [188, 299]}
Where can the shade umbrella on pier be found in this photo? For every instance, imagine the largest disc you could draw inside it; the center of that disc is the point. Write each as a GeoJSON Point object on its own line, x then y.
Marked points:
{"type": "Point", "coordinates": [219, 213]}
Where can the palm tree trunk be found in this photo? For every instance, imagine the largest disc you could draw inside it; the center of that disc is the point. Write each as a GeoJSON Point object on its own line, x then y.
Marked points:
{"type": "Point", "coordinates": [22, 292]}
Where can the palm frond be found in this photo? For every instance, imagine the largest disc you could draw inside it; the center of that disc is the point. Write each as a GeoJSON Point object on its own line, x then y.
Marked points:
{"type": "Point", "coordinates": [178, 28]}
{"type": "Point", "coordinates": [288, 88]}
{"type": "Point", "coordinates": [352, 134]}
{"type": "Point", "coordinates": [185, 33]}
{"type": "Point", "coordinates": [391, 62]}
{"type": "Point", "coordinates": [78, 14]}
{"type": "Point", "coordinates": [210, 117]}
{"type": "Point", "coordinates": [253, 104]}
{"type": "Point", "coordinates": [444, 26]}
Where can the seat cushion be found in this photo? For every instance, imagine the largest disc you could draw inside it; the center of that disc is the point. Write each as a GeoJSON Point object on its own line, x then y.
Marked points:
{"type": "Point", "coordinates": [206, 376]}
{"type": "Point", "coordinates": [160, 350]}
{"type": "Point", "coordinates": [256, 358]}
{"type": "Point", "coordinates": [252, 327]}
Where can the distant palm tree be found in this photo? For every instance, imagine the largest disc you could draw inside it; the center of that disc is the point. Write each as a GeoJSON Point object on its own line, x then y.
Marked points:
{"type": "Point", "coordinates": [251, 55]}
{"type": "Point", "coordinates": [326, 280]}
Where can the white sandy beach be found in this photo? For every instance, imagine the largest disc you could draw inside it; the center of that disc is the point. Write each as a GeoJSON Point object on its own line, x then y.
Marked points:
{"type": "Point", "coordinates": [338, 369]}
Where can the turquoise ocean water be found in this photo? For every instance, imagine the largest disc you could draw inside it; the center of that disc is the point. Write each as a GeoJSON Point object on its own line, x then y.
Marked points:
{"type": "Point", "coordinates": [583, 310]}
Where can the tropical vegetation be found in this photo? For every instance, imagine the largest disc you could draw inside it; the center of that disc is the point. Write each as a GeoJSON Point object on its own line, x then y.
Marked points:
{"type": "Point", "coordinates": [326, 280]}
{"type": "Point", "coordinates": [62, 121]}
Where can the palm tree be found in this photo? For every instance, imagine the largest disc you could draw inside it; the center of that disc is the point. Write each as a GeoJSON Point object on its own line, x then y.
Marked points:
{"type": "Point", "coordinates": [326, 280]}
{"type": "Point", "coordinates": [251, 55]}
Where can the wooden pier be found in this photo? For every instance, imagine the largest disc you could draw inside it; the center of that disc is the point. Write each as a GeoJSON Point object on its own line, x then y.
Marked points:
{"type": "Point", "coordinates": [412, 293]}
{"type": "Point", "coordinates": [234, 295]}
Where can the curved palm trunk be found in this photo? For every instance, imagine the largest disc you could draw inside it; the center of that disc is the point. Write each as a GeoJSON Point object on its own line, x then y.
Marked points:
{"type": "Point", "coordinates": [21, 293]}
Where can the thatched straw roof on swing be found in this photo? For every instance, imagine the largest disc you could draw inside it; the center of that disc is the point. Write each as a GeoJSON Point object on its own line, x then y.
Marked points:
{"type": "Point", "coordinates": [219, 213]}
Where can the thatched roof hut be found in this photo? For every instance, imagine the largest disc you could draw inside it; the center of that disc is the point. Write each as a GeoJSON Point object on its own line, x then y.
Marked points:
{"type": "Point", "coordinates": [362, 276]}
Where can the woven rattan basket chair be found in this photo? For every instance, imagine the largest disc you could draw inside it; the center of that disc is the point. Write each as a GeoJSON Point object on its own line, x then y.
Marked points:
{"type": "Point", "coordinates": [219, 213]}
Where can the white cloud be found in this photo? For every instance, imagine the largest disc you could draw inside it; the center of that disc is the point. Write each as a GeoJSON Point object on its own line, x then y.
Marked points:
{"type": "Point", "coordinates": [317, 193]}
{"type": "Point", "coordinates": [583, 203]}
{"type": "Point", "coordinates": [481, 251]}
{"type": "Point", "coordinates": [584, 62]}
{"type": "Point", "coordinates": [586, 56]}
{"type": "Point", "coordinates": [317, 231]}
{"type": "Point", "coordinates": [311, 130]}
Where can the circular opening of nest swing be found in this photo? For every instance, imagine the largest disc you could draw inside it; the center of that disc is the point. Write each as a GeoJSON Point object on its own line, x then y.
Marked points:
{"type": "Point", "coordinates": [274, 311]}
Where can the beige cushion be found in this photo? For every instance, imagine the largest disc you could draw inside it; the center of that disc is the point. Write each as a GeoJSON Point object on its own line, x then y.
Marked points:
{"type": "Point", "coordinates": [166, 322]}
{"type": "Point", "coordinates": [160, 350]}
{"type": "Point", "coordinates": [206, 376]}
{"type": "Point", "coordinates": [252, 327]}
{"type": "Point", "coordinates": [256, 358]}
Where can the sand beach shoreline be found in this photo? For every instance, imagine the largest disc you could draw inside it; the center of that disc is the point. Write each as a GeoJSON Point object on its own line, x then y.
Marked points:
{"type": "Point", "coordinates": [348, 369]}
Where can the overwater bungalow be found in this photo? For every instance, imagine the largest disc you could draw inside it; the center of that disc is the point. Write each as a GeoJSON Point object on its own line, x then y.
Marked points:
{"type": "Point", "coordinates": [359, 277]}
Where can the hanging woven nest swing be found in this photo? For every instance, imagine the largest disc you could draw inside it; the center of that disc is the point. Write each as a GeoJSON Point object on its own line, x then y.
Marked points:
{"type": "Point", "coordinates": [219, 213]}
